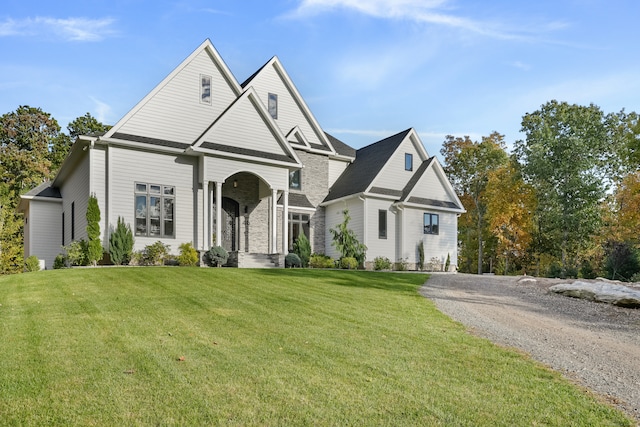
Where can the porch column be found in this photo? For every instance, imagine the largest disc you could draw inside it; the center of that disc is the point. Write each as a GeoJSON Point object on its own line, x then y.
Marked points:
{"type": "Point", "coordinates": [285, 222]}
{"type": "Point", "coordinates": [274, 220]}
{"type": "Point", "coordinates": [218, 213]}
{"type": "Point", "coordinates": [210, 215]}
{"type": "Point", "coordinates": [206, 208]}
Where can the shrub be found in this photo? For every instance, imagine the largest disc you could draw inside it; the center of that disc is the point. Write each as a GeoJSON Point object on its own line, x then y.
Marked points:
{"type": "Point", "coordinates": [94, 246]}
{"type": "Point", "coordinates": [121, 243]}
{"type": "Point", "coordinates": [348, 263]}
{"type": "Point", "coordinates": [32, 263]}
{"type": "Point", "coordinates": [346, 242]}
{"type": "Point", "coordinates": [587, 271]}
{"type": "Point", "coordinates": [302, 248]}
{"type": "Point", "coordinates": [381, 263]}
{"type": "Point", "coordinates": [217, 256]}
{"type": "Point", "coordinates": [401, 264]}
{"type": "Point", "coordinates": [292, 260]}
{"type": "Point", "coordinates": [447, 263]}
{"type": "Point", "coordinates": [188, 255]}
{"type": "Point", "coordinates": [321, 261]}
{"type": "Point", "coordinates": [77, 253]}
{"type": "Point", "coordinates": [622, 261]}
{"type": "Point", "coordinates": [154, 254]}
{"type": "Point", "coordinates": [59, 262]}
{"type": "Point", "coordinates": [421, 255]}
{"type": "Point", "coordinates": [635, 278]}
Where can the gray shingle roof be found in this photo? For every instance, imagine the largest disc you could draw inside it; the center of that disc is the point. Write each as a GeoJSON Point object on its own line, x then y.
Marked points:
{"type": "Point", "coordinates": [297, 200]}
{"type": "Point", "coordinates": [369, 160]}
{"type": "Point", "coordinates": [247, 152]}
{"type": "Point", "coordinates": [150, 141]}
{"type": "Point", "coordinates": [340, 147]}
{"type": "Point", "coordinates": [44, 190]}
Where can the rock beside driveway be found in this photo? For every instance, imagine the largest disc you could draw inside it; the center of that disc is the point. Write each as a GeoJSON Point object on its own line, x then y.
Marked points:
{"type": "Point", "coordinates": [609, 293]}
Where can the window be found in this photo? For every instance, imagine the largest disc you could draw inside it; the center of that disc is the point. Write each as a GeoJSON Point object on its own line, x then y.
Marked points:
{"type": "Point", "coordinates": [73, 220]}
{"type": "Point", "coordinates": [205, 89]}
{"type": "Point", "coordinates": [382, 224]}
{"type": "Point", "coordinates": [62, 228]}
{"type": "Point", "coordinates": [272, 105]}
{"type": "Point", "coordinates": [294, 180]}
{"type": "Point", "coordinates": [430, 223]}
{"type": "Point", "coordinates": [154, 210]}
{"type": "Point", "coordinates": [408, 161]}
{"type": "Point", "coordinates": [298, 224]}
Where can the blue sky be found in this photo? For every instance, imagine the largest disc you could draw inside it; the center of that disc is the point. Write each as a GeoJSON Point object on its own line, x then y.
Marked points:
{"type": "Point", "coordinates": [367, 68]}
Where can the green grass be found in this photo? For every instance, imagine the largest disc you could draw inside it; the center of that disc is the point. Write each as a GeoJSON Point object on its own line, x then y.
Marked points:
{"type": "Point", "coordinates": [260, 347]}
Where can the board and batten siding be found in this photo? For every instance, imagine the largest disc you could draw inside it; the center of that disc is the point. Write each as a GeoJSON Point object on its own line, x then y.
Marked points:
{"type": "Point", "coordinates": [334, 216]}
{"type": "Point", "coordinates": [43, 233]}
{"type": "Point", "coordinates": [375, 245]}
{"type": "Point", "coordinates": [290, 112]}
{"type": "Point", "coordinates": [175, 112]}
{"type": "Point", "coordinates": [75, 190]}
{"type": "Point", "coordinates": [393, 175]}
{"type": "Point", "coordinates": [131, 166]}
{"type": "Point", "coordinates": [435, 245]}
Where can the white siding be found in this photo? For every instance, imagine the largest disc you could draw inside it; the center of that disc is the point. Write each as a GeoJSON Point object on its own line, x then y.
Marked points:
{"type": "Point", "coordinates": [290, 112]}
{"type": "Point", "coordinates": [336, 167]}
{"type": "Point", "coordinates": [42, 235]}
{"type": "Point", "coordinates": [431, 186]}
{"type": "Point", "coordinates": [75, 191]}
{"type": "Point", "coordinates": [242, 126]}
{"type": "Point", "coordinates": [435, 245]}
{"type": "Point", "coordinates": [375, 245]}
{"type": "Point", "coordinates": [333, 217]}
{"type": "Point", "coordinates": [393, 175]}
{"type": "Point", "coordinates": [220, 169]}
{"type": "Point", "coordinates": [131, 166]}
{"type": "Point", "coordinates": [175, 112]}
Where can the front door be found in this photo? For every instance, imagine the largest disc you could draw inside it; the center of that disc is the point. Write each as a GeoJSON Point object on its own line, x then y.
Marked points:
{"type": "Point", "coordinates": [230, 214]}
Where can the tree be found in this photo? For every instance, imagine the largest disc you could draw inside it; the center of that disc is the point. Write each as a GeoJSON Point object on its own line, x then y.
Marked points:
{"type": "Point", "coordinates": [11, 250]}
{"type": "Point", "coordinates": [468, 165]}
{"type": "Point", "coordinates": [302, 248]}
{"type": "Point", "coordinates": [94, 248]}
{"type": "Point", "coordinates": [121, 243]}
{"type": "Point", "coordinates": [346, 242]}
{"type": "Point", "coordinates": [564, 159]}
{"type": "Point", "coordinates": [510, 206]}
{"type": "Point", "coordinates": [622, 213]}
{"type": "Point", "coordinates": [86, 125]}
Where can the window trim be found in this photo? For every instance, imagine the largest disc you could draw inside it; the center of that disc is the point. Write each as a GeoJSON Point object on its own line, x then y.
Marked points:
{"type": "Point", "coordinates": [293, 173]}
{"type": "Point", "coordinates": [272, 105]}
{"type": "Point", "coordinates": [428, 228]}
{"type": "Point", "coordinates": [303, 220]}
{"type": "Point", "coordinates": [206, 82]}
{"type": "Point", "coordinates": [73, 221]}
{"type": "Point", "coordinates": [408, 161]}
{"type": "Point", "coordinates": [382, 224]}
{"type": "Point", "coordinates": [163, 196]}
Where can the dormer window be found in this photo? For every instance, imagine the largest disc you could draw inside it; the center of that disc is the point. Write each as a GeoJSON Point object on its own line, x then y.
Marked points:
{"type": "Point", "coordinates": [408, 162]}
{"type": "Point", "coordinates": [272, 105]}
{"type": "Point", "coordinates": [205, 89]}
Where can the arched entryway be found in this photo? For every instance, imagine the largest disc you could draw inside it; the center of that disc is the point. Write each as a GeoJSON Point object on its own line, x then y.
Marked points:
{"type": "Point", "coordinates": [230, 224]}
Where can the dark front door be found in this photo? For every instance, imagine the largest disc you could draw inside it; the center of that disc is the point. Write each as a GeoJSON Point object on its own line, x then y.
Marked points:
{"type": "Point", "coordinates": [230, 214]}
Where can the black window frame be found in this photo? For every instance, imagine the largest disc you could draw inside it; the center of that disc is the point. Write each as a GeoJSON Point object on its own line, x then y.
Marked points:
{"type": "Point", "coordinates": [382, 224]}
{"type": "Point", "coordinates": [73, 221]}
{"type": "Point", "coordinates": [408, 161]}
{"type": "Point", "coordinates": [429, 227]}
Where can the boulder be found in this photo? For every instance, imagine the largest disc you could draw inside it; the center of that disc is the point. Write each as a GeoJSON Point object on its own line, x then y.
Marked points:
{"type": "Point", "coordinates": [609, 293]}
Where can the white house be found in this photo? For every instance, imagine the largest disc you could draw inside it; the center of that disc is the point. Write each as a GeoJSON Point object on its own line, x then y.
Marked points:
{"type": "Point", "coordinates": [205, 159]}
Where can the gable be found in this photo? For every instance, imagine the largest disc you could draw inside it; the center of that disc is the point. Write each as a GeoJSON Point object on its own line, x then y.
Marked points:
{"type": "Point", "coordinates": [292, 109]}
{"type": "Point", "coordinates": [431, 187]}
{"type": "Point", "coordinates": [174, 111]}
{"type": "Point", "coordinates": [246, 129]}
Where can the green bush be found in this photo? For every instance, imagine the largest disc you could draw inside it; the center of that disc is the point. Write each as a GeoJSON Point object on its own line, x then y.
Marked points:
{"type": "Point", "coordinates": [217, 256]}
{"type": "Point", "coordinates": [188, 255]}
{"type": "Point", "coordinates": [59, 262]}
{"type": "Point", "coordinates": [292, 260]}
{"type": "Point", "coordinates": [321, 261]}
{"type": "Point", "coordinates": [622, 261]}
{"type": "Point", "coordinates": [421, 255]}
{"type": "Point", "coordinates": [32, 263]}
{"type": "Point", "coordinates": [447, 263]}
{"type": "Point", "coordinates": [302, 248]}
{"type": "Point", "coordinates": [121, 243]}
{"type": "Point", "coordinates": [95, 251]}
{"type": "Point", "coordinates": [348, 263]}
{"type": "Point", "coordinates": [77, 253]}
{"type": "Point", "coordinates": [154, 254]}
{"type": "Point", "coordinates": [401, 264]}
{"type": "Point", "coordinates": [381, 263]}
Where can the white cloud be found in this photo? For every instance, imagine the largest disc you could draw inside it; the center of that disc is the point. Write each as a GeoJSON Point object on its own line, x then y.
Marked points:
{"type": "Point", "coordinates": [102, 110]}
{"type": "Point", "coordinates": [70, 29]}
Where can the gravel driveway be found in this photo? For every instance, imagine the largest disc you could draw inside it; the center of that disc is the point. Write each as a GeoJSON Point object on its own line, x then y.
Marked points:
{"type": "Point", "coordinates": [597, 345]}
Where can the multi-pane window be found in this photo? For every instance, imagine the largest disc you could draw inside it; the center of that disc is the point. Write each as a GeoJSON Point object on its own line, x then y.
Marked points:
{"type": "Point", "coordinates": [73, 221]}
{"type": "Point", "coordinates": [155, 210]}
{"type": "Point", "coordinates": [382, 224]}
{"type": "Point", "coordinates": [408, 161]}
{"type": "Point", "coordinates": [298, 224]}
{"type": "Point", "coordinates": [205, 89]}
{"type": "Point", "coordinates": [430, 223]}
{"type": "Point", "coordinates": [272, 105]}
{"type": "Point", "coordinates": [294, 180]}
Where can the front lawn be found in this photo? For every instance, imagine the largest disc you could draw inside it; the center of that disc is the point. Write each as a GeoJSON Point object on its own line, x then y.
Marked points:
{"type": "Point", "coordinates": [191, 346]}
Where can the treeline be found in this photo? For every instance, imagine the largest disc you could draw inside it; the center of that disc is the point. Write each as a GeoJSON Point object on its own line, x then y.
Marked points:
{"type": "Point", "coordinates": [564, 203]}
{"type": "Point", "coordinates": [32, 148]}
